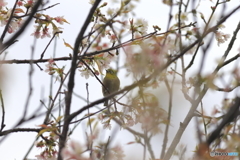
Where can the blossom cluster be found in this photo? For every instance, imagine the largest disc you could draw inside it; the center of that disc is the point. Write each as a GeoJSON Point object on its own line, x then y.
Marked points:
{"type": "Point", "coordinates": [49, 142]}
{"type": "Point", "coordinates": [221, 37]}
{"type": "Point", "coordinates": [52, 68]}
{"type": "Point", "coordinates": [21, 11]}
{"type": "Point", "coordinates": [43, 22]}
{"type": "Point", "coordinates": [75, 151]}
{"type": "Point", "coordinates": [5, 15]}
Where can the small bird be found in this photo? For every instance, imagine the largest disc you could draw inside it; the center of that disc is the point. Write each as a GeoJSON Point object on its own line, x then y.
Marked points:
{"type": "Point", "coordinates": [111, 83]}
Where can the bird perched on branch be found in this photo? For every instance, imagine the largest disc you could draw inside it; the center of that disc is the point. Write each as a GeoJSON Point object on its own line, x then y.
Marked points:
{"type": "Point", "coordinates": [111, 83]}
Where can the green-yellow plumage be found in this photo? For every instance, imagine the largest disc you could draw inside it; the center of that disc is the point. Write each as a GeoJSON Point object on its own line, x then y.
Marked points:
{"type": "Point", "coordinates": [111, 82]}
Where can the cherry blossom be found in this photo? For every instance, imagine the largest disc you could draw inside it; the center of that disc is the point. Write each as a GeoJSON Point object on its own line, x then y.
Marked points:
{"type": "Point", "coordinates": [221, 37]}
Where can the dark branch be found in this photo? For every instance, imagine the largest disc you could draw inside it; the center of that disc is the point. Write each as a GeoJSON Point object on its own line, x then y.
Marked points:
{"type": "Point", "coordinates": [229, 117]}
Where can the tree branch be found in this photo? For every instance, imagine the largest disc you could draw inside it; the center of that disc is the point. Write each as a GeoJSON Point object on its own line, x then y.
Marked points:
{"type": "Point", "coordinates": [68, 97]}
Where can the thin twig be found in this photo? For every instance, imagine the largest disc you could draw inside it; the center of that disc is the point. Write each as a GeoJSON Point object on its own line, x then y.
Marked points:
{"type": "Point", "coordinates": [41, 57]}
{"type": "Point", "coordinates": [3, 112]}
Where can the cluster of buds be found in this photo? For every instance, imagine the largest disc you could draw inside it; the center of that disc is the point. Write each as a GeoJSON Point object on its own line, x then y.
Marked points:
{"type": "Point", "coordinates": [48, 143]}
